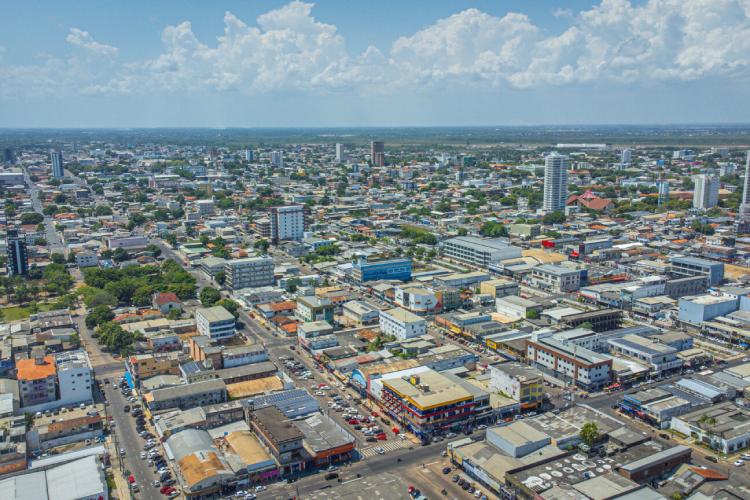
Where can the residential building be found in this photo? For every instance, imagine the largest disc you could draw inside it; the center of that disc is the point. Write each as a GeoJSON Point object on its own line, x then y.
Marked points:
{"type": "Point", "coordinates": [520, 382]}
{"type": "Point", "coordinates": [87, 259]}
{"type": "Point", "coordinates": [37, 380]}
{"type": "Point", "coordinates": [143, 366]}
{"type": "Point", "coordinates": [74, 378]}
{"type": "Point", "coordinates": [215, 322]}
{"type": "Point", "coordinates": [277, 159]}
{"type": "Point", "coordinates": [479, 252]}
{"type": "Point", "coordinates": [555, 182]}
{"type": "Point", "coordinates": [311, 308]}
{"type": "Point", "coordinates": [18, 257]}
{"type": "Point", "coordinates": [287, 223]}
{"type": "Point", "coordinates": [165, 302]}
{"type": "Point", "coordinates": [377, 153]}
{"type": "Point", "coordinates": [205, 207]}
{"type": "Point", "coordinates": [56, 158]}
{"type": "Point", "coordinates": [706, 191]}
{"type": "Point", "coordinates": [390, 269]}
{"type": "Point", "coordinates": [745, 201]}
{"type": "Point", "coordinates": [341, 156]}
{"type": "Point", "coordinates": [250, 272]}
{"type": "Point", "coordinates": [401, 324]}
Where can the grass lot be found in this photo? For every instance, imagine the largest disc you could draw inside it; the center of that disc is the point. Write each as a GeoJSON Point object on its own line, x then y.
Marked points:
{"type": "Point", "coordinates": [20, 312]}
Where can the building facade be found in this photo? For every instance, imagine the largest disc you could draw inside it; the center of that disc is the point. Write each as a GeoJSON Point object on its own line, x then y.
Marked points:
{"type": "Point", "coordinates": [250, 272]}
{"type": "Point", "coordinates": [555, 182]}
{"type": "Point", "coordinates": [215, 322]}
{"type": "Point", "coordinates": [287, 223]}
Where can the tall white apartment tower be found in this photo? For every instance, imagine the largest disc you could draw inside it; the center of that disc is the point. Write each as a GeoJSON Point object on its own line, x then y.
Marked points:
{"type": "Point", "coordinates": [745, 203]}
{"type": "Point", "coordinates": [287, 223]}
{"type": "Point", "coordinates": [277, 158]}
{"type": "Point", "coordinates": [706, 191]}
{"type": "Point", "coordinates": [555, 182]}
{"type": "Point", "coordinates": [341, 155]}
{"type": "Point", "coordinates": [249, 156]}
{"type": "Point", "coordinates": [625, 157]}
{"type": "Point", "coordinates": [57, 164]}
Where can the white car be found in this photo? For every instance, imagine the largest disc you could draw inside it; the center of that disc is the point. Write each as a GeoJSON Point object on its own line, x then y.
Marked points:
{"type": "Point", "coordinates": [379, 451]}
{"type": "Point", "coordinates": [739, 463]}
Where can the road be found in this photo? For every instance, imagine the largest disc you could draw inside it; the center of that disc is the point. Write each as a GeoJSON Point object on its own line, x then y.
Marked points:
{"type": "Point", "coordinates": [53, 239]}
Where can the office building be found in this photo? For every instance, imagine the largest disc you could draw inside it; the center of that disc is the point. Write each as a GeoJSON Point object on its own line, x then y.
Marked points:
{"type": "Point", "coordinates": [685, 267]}
{"type": "Point", "coordinates": [341, 155]}
{"type": "Point", "coordinates": [18, 257]}
{"type": "Point", "coordinates": [250, 272]}
{"type": "Point", "coordinates": [745, 202]}
{"type": "Point", "coordinates": [215, 322]}
{"type": "Point", "coordinates": [401, 324]}
{"type": "Point", "coordinates": [249, 155]}
{"type": "Point", "coordinates": [57, 164]}
{"type": "Point", "coordinates": [555, 182]}
{"type": "Point", "coordinates": [9, 156]}
{"type": "Point", "coordinates": [287, 223]}
{"type": "Point", "coordinates": [479, 252]}
{"type": "Point", "coordinates": [377, 153]}
{"type": "Point", "coordinates": [705, 192]}
{"type": "Point", "coordinates": [277, 159]}
{"type": "Point", "coordinates": [390, 269]}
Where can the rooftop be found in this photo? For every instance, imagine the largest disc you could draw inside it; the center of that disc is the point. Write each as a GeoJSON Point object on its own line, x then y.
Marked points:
{"type": "Point", "coordinates": [430, 389]}
{"type": "Point", "coordinates": [403, 315]}
{"type": "Point", "coordinates": [215, 314]}
{"type": "Point", "coordinates": [30, 369]}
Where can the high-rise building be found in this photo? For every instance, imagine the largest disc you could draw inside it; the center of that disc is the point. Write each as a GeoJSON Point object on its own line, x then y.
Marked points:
{"type": "Point", "coordinates": [9, 156]}
{"type": "Point", "coordinates": [706, 191]}
{"type": "Point", "coordinates": [625, 157]}
{"type": "Point", "coordinates": [663, 187]}
{"type": "Point", "coordinates": [277, 158]}
{"type": "Point", "coordinates": [745, 202]}
{"type": "Point", "coordinates": [18, 257]}
{"type": "Point", "coordinates": [250, 272]}
{"type": "Point", "coordinates": [57, 164]}
{"type": "Point", "coordinates": [341, 155]}
{"type": "Point", "coordinates": [377, 153]}
{"type": "Point", "coordinates": [249, 156]}
{"type": "Point", "coordinates": [555, 182]}
{"type": "Point", "coordinates": [287, 223]}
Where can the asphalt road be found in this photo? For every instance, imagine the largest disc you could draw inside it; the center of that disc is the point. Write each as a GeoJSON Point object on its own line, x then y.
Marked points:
{"type": "Point", "coordinates": [53, 239]}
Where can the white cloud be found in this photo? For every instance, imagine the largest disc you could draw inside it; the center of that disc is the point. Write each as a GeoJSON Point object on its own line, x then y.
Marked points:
{"type": "Point", "coordinates": [83, 39]}
{"type": "Point", "coordinates": [287, 49]}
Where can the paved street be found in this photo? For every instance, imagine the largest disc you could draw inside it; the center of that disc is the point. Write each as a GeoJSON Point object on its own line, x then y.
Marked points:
{"type": "Point", "coordinates": [53, 239]}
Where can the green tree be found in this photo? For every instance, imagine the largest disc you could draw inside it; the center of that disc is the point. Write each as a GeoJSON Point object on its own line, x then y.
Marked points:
{"type": "Point", "coordinates": [589, 433]}
{"type": "Point", "coordinates": [262, 246]}
{"type": "Point", "coordinates": [209, 296]}
{"type": "Point", "coordinates": [554, 218]}
{"type": "Point", "coordinates": [57, 258]}
{"type": "Point", "coordinates": [31, 218]}
{"type": "Point", "coordinates": [493, 229]}
{"type": "Point", "coordinates": [230, 305]}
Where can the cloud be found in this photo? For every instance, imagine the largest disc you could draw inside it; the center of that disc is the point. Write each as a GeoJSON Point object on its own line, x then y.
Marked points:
{"type": "Point", "coordinates": [83, 39]}
{"type": "Point", "coordinates": [616, 42]}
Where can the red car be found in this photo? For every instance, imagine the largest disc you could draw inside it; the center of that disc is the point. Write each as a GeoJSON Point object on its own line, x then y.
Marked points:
{"type": "Point", "coordinates": [353, 421]}
{"type": "Point", "coordinates": [131, 479]}
{"type": "Point", "coordinates": [167, 490]}
{"type": "Point", "coordinates": [381, 437]}
{"type": "Point", "coordinates": [374, 414]}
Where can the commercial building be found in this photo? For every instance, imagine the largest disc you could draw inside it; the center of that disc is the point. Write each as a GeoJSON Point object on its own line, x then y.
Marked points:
{"type": "Point", "coordinates": [682, 267]}
{"type": "Point", "coordinates": [723, 427]}
{"type": "Point", "coordinates": [426, 401]}
{"type": "Point", "coordinates": [522, 383]}
{"type": "Point", "coordinates": [554, 278]}
{"type": "Point", "coordinates": [201, 469]}
{"type": "Point", "coordinates": [660, 358]}
{"type": "Point", "coordinates": [695, 310]}
{"type": "Point", "coordinates": [656, 465]}
{"type": "Point", "coordinates": [215, 322]}
{"type": "Point", "coordinates": [706, 191]}
{"type": "Point", "coordinates": [416, 299]}
{"type": "Point", "coordinates": [401, 324]}
{"type": "Point", "coordinates": [479, 252]}
{"type": "Point", "coordinates": [56, 158]}
{"type": "Point", "coordinates": [282, 438]}
{"type": "Point", "coordinates": [555, 182]}
{"type": "Point", "coordinates": [360, 313]}
{"type": "Point", "coordinates": [82, 479]}
{"type": "Point", "coordinates": [514, 307]}
{"type": "Point", "coordinates": [250, 272]}
{"type": "Point", "coordinates": [499, 287]}
{"type": "Point", "coordinates": [70, 425]}
{"type": "Point", "coordinates": [390, 269]}
{"type": "Point", "coordinates": [582, 366]}
{"type": "Point", "coordinates": [18, 257]}
{"type": "Point", "coordinates": [601, 320]}
{"type": "Point", "coordinates": [311, 308]}
{"type": "Point", "coordinates": [325, 440]}
{"type": "Point", "coordinates": [287, 223]}
{"type": "Point", "coordinates": [143, 366]}
{"type": "Point", "coordinates": [187, 396]}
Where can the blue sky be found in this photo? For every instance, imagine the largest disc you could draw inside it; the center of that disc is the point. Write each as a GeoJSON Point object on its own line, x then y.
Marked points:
{"type": "Point", "coordinates": [356, 63]}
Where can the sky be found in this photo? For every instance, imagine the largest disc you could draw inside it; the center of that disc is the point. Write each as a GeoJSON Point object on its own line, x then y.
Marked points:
{"type": "Point", "coordinates": [344, 63]}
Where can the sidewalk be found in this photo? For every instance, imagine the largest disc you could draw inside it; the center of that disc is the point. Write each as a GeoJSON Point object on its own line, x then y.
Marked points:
{"type": "Point", "coordinates": [122, 490]}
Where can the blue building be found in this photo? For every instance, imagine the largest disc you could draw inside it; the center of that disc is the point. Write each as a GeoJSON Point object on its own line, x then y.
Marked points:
{"type": "Point", "coordinates": [683, 267]}
{"type": "Point", "coordinates": [699, 308]}
{"type": "Point", "coordinates": [392, 269]}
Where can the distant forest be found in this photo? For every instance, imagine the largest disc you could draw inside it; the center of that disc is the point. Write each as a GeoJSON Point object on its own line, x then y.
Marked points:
{"type": "Point", "coordinates": [666, 135]}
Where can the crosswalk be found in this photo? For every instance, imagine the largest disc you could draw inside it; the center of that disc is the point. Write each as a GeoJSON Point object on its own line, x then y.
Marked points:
{"type": "Point", "coordinates": [386, 445]}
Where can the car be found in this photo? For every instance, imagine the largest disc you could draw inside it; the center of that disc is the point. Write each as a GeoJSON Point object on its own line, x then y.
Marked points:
{"type": "Point", "coordinates": [166, 490]}
{"type": "Point", "coordinates": [250, 496]}
{"type": "Point", "coordinates": [745, 456]}
{"type": "Point", "coordinates": [739, 463]}
{"type": "Point", "coordinates": [260, 488]}
{"type": "Point", "coordinates": [126, 408]}
{"type": "Point", "coordinates": [370, 439]}
{"type": "Point", "coordinates": [455, 478]}
{"type": "Point", "coordinates": [381, 437]}
{"type": "Point", "coordinates": [331, 475]}
{"type": "Point", "coordinates": [712, 458]}
{"type": "Point", "coordinates": [450, 435]}
{"type": "Point", "coordinates": [380, 451]}
{"type": "Point", "coordinates": [122, 452]}
{"type": "Point", "coordinates": [240, 493]}
{"type": "Point", "coordinates": [155, 483]}
{"type": "Point", "coordinates": [131, 479]}
{"type": "Point", "coordinates": [446, 470]}
{"type": "Point", "coordinates": [481, 427]}
{"type": "Point", "coordinates": [143, 455]}
{"type": "Point", "coordinates": [174, 494]}
{"type": "Point", "coordinates": [461, 481]}
{"type": "Point", "coordinates": [466, 486]}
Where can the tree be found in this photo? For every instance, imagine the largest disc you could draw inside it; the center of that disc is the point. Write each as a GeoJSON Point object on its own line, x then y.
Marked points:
{"type": "Point", "coordinates": [101, 210]}
{"type": "Point", "coordinates": [262, 246]}
{"type": "Point", "coordinates": [589, 433]}
{"type": "Point", "coordinates": [554, 218]}
{"type": "Point", "coordinates": [231, 306]}
{"type": "Point", "coordinates": [31, 218]}
{"type": "Point", "coordinates": [586, 325]}
{"type": "Point", "coordinates": [462, 231]}
{"type": "Point", "coordinates": [120, 255]}
{"type": "Point", "coordinates": [98, 315]}
{"type": "Point", "coordinates": [493, 229]}
{"type": "Point", "coordinates": [221, 277]}
{"type": "Point", "coordinates": [209, 296]}
{"type": "Point", "coordinates": [57, 258]}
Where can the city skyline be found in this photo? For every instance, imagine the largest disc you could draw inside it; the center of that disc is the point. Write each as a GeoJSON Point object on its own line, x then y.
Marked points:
{"type": "Point", "coordinates": [287, 64]}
